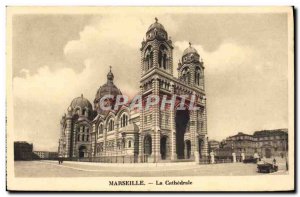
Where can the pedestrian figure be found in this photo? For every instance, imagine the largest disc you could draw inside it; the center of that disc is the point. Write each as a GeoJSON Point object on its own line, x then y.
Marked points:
{"type": "Point", "coordinates": [60, 160]}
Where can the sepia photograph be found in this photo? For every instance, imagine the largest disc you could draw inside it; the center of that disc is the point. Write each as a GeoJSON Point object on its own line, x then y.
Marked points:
{"type": "Point", "coordinates": [150, 99]}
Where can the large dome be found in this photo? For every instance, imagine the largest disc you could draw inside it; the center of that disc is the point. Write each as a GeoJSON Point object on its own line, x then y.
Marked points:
{"type": "Point", "coordinates": [108, 89]}
{"type": "Point", "coordinates": [81, 102]}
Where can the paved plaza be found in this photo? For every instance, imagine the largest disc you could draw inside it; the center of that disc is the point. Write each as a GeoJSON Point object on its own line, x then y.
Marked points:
{"type": "Point", "coordinates": [81, 169]}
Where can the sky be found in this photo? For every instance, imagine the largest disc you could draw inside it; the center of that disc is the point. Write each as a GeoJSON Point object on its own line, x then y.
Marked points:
{"type": "Point", "coordinates": [59, 57]}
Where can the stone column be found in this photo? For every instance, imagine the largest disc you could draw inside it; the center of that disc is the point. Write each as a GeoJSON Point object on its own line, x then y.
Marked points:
{"type": "Point", "coordinates": [170, 66]}
{"type": "Point", "coordinates": [116, 136]}
{"type": "Point", "coordinates": [155, 57]}
{"type": "Point", "coordinates": [173, 129]}
{"type": "Point", "coordinates": [74, 141]}
{"type": "Point", "coordinates": [104, 141]}
{"type": "Point", "coordinates": [155, 122]}
{"type": "Point", "coordinates": [192, 73]}
{"type": "Point", "coordinates": [93, 140]}
{"type": "Point", "coordinates": [193, 132]}
{"type": "Point", "coordinates": [68, 136]}
{"type": "Point", "coordinates": [141, 139]}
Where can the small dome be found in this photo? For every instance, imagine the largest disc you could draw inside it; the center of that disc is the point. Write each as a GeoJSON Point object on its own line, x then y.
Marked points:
{"type": "Point", "coordinates": [156, 25]}
{"type": "Point", "coordinates": [81, 102]}
{"type": "Point", "coordinates": [189, 50]}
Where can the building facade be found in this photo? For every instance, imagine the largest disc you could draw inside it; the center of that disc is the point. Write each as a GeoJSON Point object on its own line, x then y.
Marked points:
{"type": "Point", "coordinates": [23, 150]}
{"type": "Point", "coordinates": [169, 134]}
{"type": "Point", "coordinates": [45, 155]}
{"type": "Point", "coordinates": [266, 143]}
{"type": "Point", "coordinates": [272, 143]}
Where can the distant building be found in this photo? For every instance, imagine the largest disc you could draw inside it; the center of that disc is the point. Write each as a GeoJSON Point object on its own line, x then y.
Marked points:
{"type": "Point", "coordinates": [272, 142]}
{"type": "Point", "coordinates": [240, 143]}
{"type": "Point", "coordinates": [213, 145]}
{"type": "Point", "coordinates": [45, 155]}
{"type": "Point", "coordinates": [267, 143]}
{"type": "Point", "coordinates": [22, 150]}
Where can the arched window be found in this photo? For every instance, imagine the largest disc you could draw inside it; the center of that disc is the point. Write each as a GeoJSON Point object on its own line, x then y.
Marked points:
{"type": "Point", "coordinates": [111, 125]}
{"type": "Point", "coordinates": [162, 57]}
{"type": "Point", "coordinates": [100, 129]}
{"type": "Point", "coordinates": [149, 58]}
{"type": "Point", "coordinates": [124, 120]}
{"type": "Point", "coordinates": [197, 76]}
{"type": "Point", "coordinates": [83, 111]}
{"type": "Point", "coordinates": [129, 144]}
{"type": "Point", "coordinates": [186, 75]}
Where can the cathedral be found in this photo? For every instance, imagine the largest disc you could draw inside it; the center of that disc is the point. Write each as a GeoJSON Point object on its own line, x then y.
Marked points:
{"type": "Point", "coordinates": [89, 133]}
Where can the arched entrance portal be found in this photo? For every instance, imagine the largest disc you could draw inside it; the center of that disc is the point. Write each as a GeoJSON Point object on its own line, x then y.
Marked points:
{"type": "Point", "coordinates": [82, 152]}
{"type": "Point", "coordinates": [164, 147]}
{"type": "Point", "coordinates": [182, 119]}
{"type": "Point", "coordinates": [147, 145]}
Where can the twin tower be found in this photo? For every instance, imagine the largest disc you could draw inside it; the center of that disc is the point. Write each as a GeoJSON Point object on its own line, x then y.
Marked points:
{"type": "Point", "coordinates": [175, 134]}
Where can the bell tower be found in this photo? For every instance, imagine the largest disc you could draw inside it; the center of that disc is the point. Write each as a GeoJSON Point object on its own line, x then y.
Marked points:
{"type": "Point", "coordinates": [190, 68]}
{"type": "Point", "coordinates": [156, 50]}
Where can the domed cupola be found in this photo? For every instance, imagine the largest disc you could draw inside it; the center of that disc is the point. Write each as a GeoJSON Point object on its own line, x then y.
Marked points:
{"type": "Point", "coordinates": [190, 55]}
{"type": "Point", "coordinates": [109, 88]}
{"type": "Point", "coordinates": [80, 106]}
{"type": "Point", "coordinates": [156, 31]}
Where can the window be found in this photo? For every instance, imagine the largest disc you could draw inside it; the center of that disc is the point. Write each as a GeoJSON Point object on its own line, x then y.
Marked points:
{"type": "Point", "coordinates": [87, 138]}
{"type": "Point", "coordinates": [78, 137]}
{"type": "Point", "coordinates": [129, 144]}
{"type": "Point", "coordinates": [145, 119]}
{"type": "Point", "coordinates": [100, 129]}
{"type": "Point", "coordinates": [167, 120]}
{"type": "Point", "coordinates": [186, 75]}
{"type": "Point", "coordinates": [124, 120]}
{"type": "Point", "coordinates": [150, 118]}
{"type": "Point", "coordinates": [111, 125]}
{"type": "Point", "coordinates": [149, 58]}
{"type": "Point", "coordinates": [162, 57]}
{"type": "Point", "coordinates": [82, 138]}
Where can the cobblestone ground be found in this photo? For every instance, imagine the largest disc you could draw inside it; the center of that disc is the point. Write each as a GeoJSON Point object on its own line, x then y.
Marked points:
{"type": "Point", "coordinates": [78, 169]}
